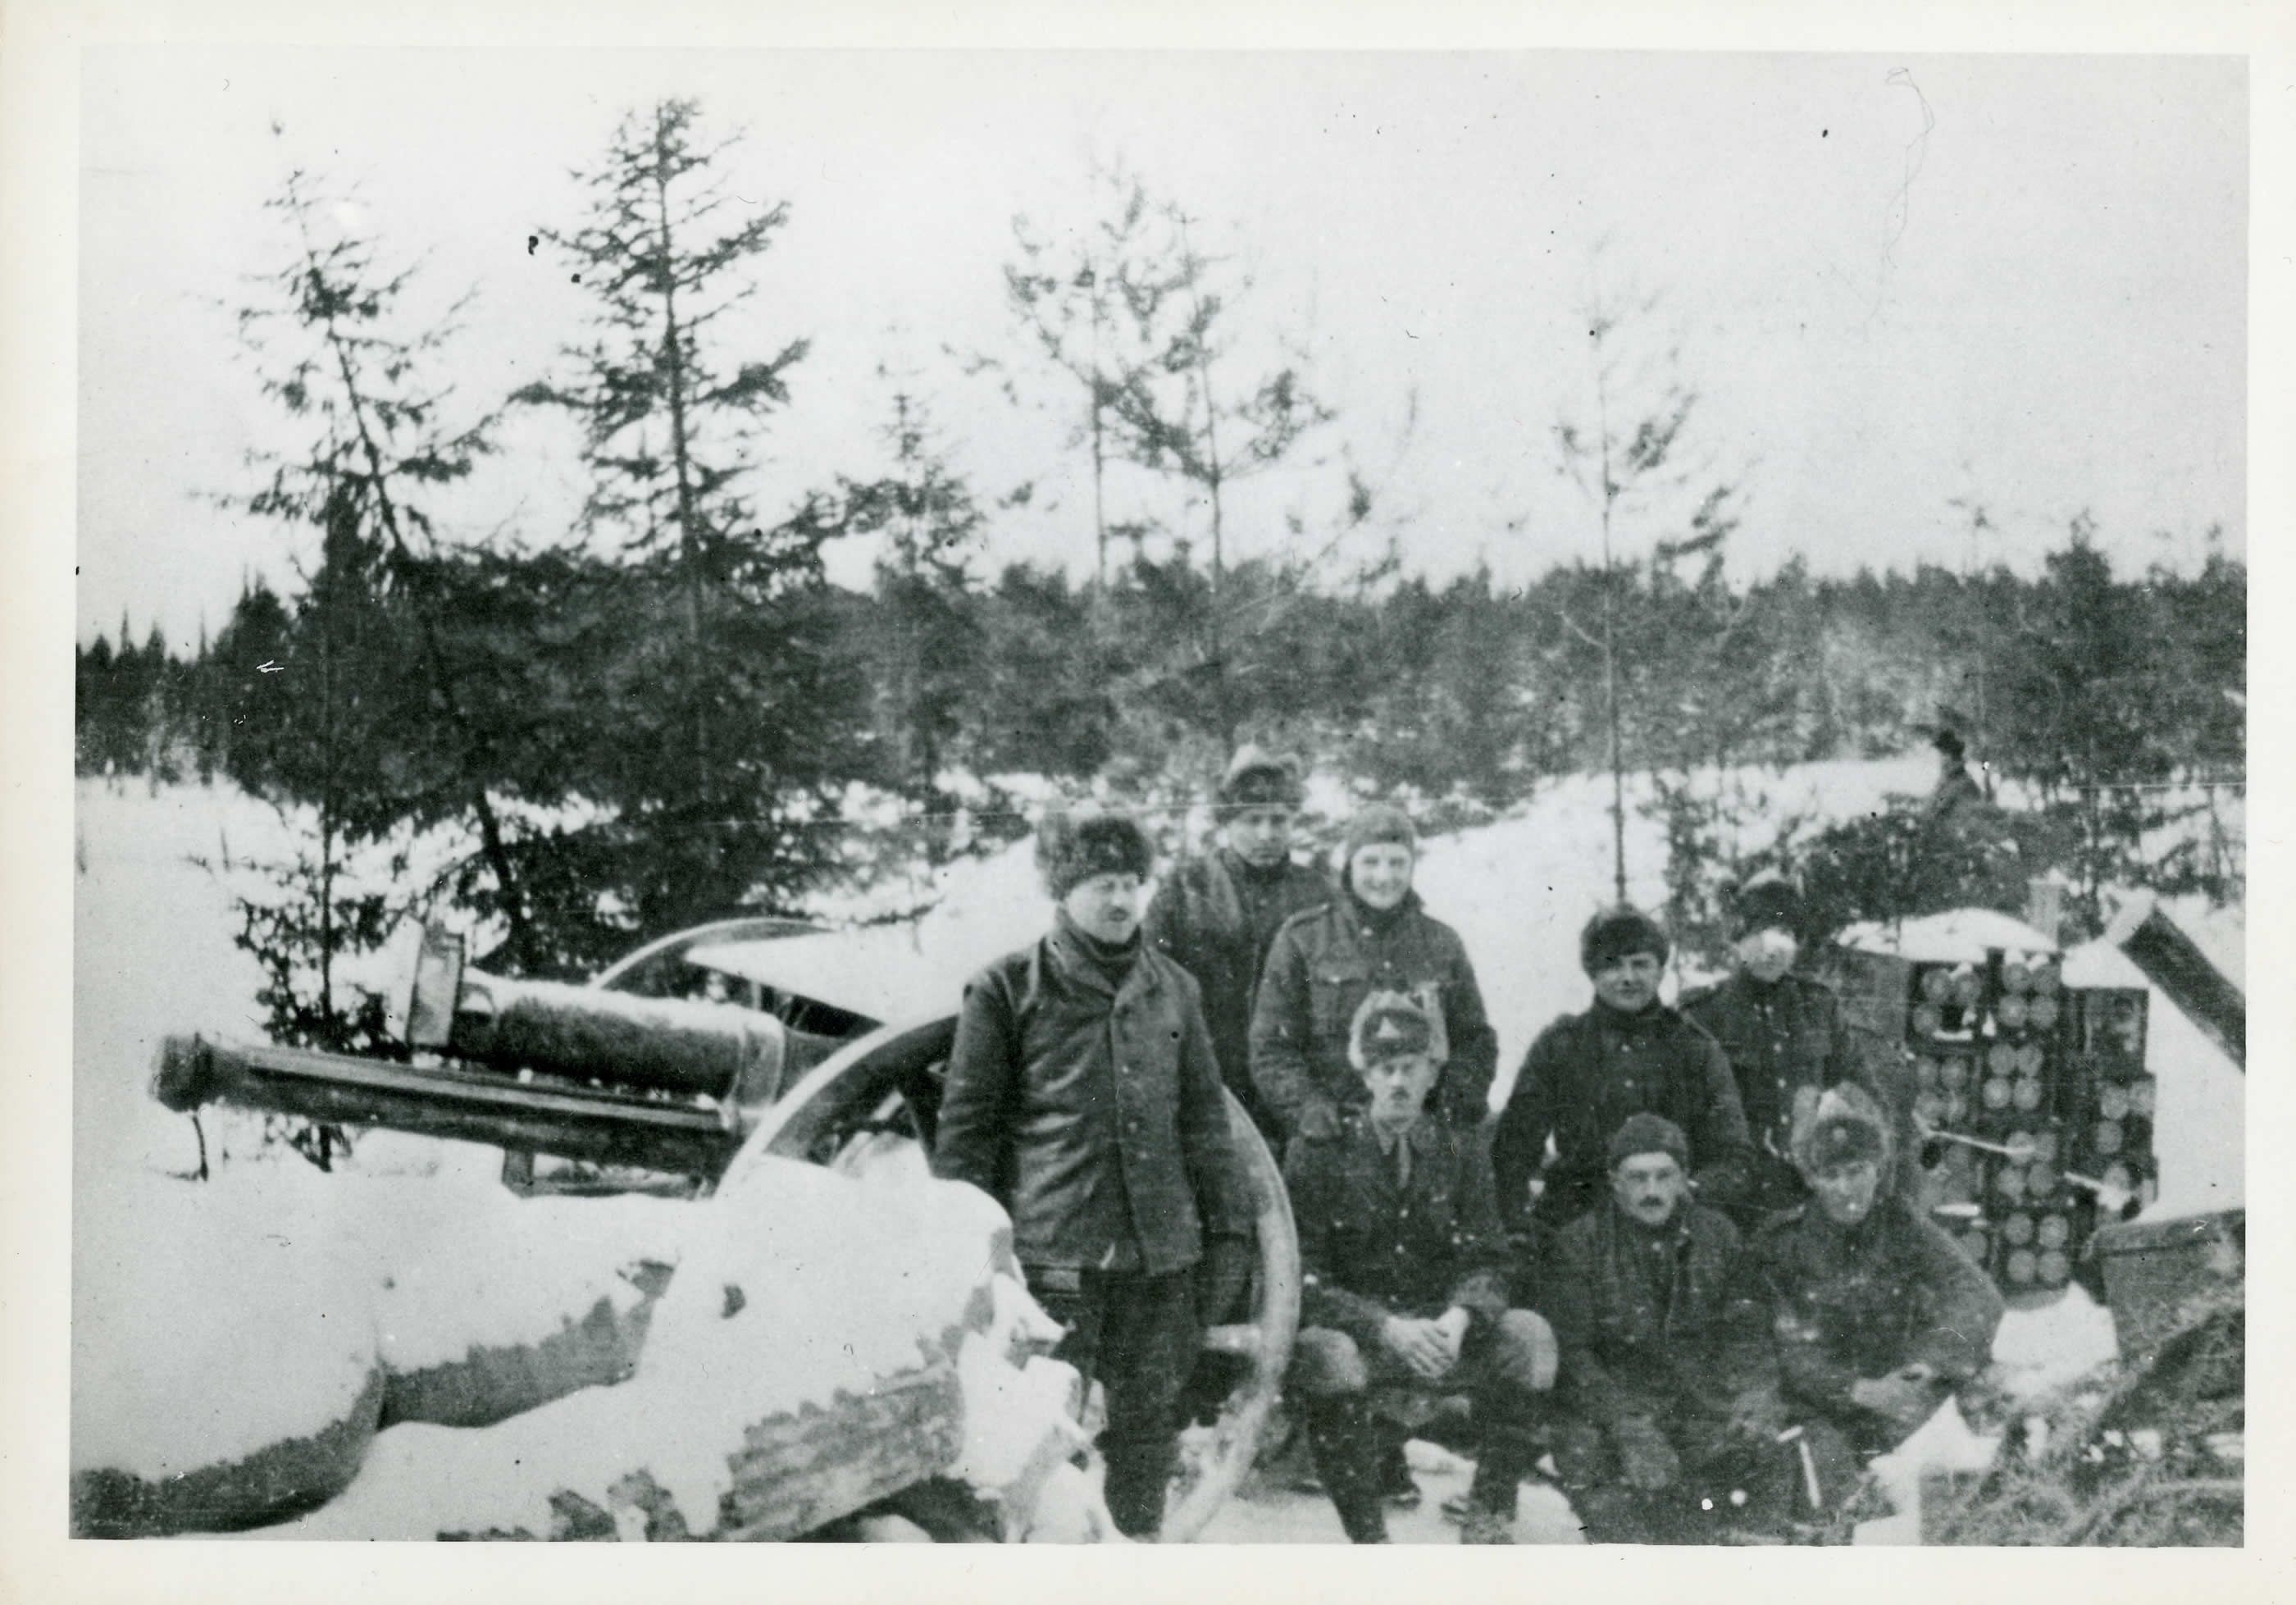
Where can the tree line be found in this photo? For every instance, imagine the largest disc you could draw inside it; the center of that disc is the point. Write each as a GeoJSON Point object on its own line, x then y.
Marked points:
{"type": "Point", "coordinates": [668, 713]}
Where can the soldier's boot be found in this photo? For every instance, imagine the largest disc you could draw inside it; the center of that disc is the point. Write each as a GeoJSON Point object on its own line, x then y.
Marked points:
{"type": "Point", "coordinates": [1343, 1444]}
{"type": "Point", "coordinates": [1496, 1490]}
{"type": "Point", "coordinates": [1486, 1526]}
{"type": "Point", "coordinates": [1611, 1514]}
{"type": "Point", "coordinates": [1137, 1475]}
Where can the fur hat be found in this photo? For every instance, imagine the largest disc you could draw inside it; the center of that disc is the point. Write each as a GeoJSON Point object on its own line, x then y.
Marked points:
{"type": "Point", "coordinates": [1766, 902]}
{"type": "Point", "coordinates": [1647, 1133]}
{"type": "Point", "coordinates": [1072, 846]}
{"type": "Point", "coordinates": [1257, 778]}
{"type": "Point", "coordinates": [1389, 1025]}
{"type": "Point", "coordinates": [1379, 822]}
{"type": "Point", "coordinates": [1616, 932]}
{"type": "Point", "coordinates": [1840, 1126]}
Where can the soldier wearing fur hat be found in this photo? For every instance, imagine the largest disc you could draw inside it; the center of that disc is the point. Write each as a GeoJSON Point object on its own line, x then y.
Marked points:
{"type": "Point", "coordinates": [1782, 1033]}
{"type": "Point", "coordinates": [1628, 1054]}
{"type": "Point", "coordinates": [1372, 936]}
{"type": "Point", "coordinates": [1404, 1284]}
{"type": "Point", "coordinates": [1878, 1316]}
{"type": "Point", "coordinates": [1668, 1384]}
{"type": "Point", "coordinates": [1218, 915]}
{"type": "Point", "coordinates": [1082, 1094]}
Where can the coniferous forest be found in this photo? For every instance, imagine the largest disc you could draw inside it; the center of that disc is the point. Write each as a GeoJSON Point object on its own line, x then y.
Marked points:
{"type": "Point", "coordinates": [670, 712]}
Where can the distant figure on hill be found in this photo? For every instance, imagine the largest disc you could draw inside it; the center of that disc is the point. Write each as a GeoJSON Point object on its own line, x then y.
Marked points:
{"type": "Point", "coordinates": [1956, 789]}
{"type": "Point", "coordinates": [1217, 916]}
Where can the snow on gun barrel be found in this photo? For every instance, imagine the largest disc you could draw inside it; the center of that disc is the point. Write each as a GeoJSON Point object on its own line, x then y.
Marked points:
{"type": "Point", "coordinates": [824, 1344]}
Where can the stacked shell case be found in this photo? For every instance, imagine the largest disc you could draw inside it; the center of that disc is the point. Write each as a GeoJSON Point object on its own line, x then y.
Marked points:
{"type": "Point", "coordinates": [2003, 1053]}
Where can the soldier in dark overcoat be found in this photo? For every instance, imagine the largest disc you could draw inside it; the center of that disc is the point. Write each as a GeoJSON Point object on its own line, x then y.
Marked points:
{"type": "Point", "coordinates": [1669, 1385]}
{"type": "Point", "coordinates": [1082, 1094]}
{"type": "Point", "coordinates": [1404, 1285]}
{"type": "Point", "coordinates": [1878, 1316]}
{"type": "Point", "coordinates": [1586, 1072]}
{"type": "Point", "coordinates": [1782, 1033]}
{"type": "Point", "coordinates": [1218, 914]}
{"type": "Point", "coordinates": [1374, 936]}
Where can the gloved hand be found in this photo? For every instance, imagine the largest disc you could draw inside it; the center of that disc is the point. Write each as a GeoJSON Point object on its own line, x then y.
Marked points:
{"type": "Point", "coordinates": [1319, 1118]}
{"type": "Point", "coordinates": [1907, 1397]}
{"type": "Point", "coordinates": [1646, 1459]}
{"type": "Point", "coordinates": [1757, 1415]}
{"type": "Point", "coordinates": [1221, 1276]}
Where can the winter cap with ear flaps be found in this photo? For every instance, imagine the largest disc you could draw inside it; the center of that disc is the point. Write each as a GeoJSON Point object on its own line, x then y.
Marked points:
{"type": "Point", "coordinates": [1648, 1134]}
{"type": "Point", "coordinates": [1257, 778]}
{"type": "Point", "coordinates": [1766, 903]}
{"type": "Point", "coordinates": [1843, 1126]}
{"type": "Point", "coordinates": [1615, 932]}
{"type": "Point", "coordinates": [1072, 846]}
{"type": "Point", "coordinates": [1391, 1025]}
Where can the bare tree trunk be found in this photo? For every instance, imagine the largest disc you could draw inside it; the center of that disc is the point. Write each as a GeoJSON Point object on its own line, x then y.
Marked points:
{"type": "Point", "coordinates": [1099, 445]}
{"type": "Point", "coordinates": [689, 536]}
{"type": "Point", "coordinates": [1611, 645]}
{"type": "Point", "coordinates": [1224, 710]}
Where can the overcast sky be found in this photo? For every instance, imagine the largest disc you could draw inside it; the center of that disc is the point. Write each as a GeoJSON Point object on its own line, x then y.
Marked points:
{"type": "Point", "coordinates": [1895, 282]}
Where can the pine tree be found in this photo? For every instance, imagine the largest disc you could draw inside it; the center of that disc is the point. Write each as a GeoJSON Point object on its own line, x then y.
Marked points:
{"type": "Point", "coordinates": [719, 727]}
{"type": "Point", "coordinates": [1150, 325]}
{"type": "Point", "coordinates": [338, 345]}
{"type": "Point", "coordinates": [1628, 461]}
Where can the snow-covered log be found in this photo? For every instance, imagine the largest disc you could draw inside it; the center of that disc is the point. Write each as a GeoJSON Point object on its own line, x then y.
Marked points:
{"type": "Point", "coordinates": [220, 1379]}
{"type": "Point", "coordinates": [825, 1342]}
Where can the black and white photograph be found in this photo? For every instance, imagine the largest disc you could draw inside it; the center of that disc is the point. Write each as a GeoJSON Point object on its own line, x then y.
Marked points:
{"type": "Point", "coordinates": [1250, 796]}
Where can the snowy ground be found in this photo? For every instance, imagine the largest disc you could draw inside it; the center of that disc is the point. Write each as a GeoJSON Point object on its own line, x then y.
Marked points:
{"type": "Point", "coordinates": [153, 955]}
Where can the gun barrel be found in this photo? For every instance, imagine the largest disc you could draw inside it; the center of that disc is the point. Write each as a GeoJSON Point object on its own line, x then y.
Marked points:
{"type": "Point", "coordinates": [607, 1127]}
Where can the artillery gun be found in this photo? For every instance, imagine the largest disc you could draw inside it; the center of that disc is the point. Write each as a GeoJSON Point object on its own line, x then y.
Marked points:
{"type": "Point", "coordinates": [701, 1058]}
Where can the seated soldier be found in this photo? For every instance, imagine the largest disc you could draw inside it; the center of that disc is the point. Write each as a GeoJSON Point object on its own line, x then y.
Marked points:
{"type": "Point", "coordinates": [1668, 1386]}
{"type": "Point", "coordinates": [1403, 1263]}
{"type": "Point", "coordinates": [1878, 1316]}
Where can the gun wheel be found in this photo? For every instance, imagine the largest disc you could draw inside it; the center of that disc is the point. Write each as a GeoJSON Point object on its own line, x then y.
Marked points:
{"type": "Point", "coordinates": [873, 1102]}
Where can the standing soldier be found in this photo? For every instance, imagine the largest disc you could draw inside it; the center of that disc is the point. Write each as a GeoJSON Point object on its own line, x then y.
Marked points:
{"type": "Point", "coordinates": [1218, 915]}
{"type": "Point", "coordinates": [1588, 1071]}
{"type": "Point", "coordinates": [1372, 936]}
{"type": "Point", "coordinates": [1082, 1094]}
{"type": "Point", "coordinates": [1782, 1033]}
{"type": "Point", "coordinates": [1878, 1316]}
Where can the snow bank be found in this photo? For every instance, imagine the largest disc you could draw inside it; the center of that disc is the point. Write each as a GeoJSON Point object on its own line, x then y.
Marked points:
{"type": "Point", "coordinates": [2041, 1349]}
{"type": "Point", "coordinates": [201, 1333]}
{"type": "Point", "coordinates": [1957, 936]}
{"type": "Point", "coordinates": [797, 1288]}
{"type": "Point", "coordinates": [520, 1272]}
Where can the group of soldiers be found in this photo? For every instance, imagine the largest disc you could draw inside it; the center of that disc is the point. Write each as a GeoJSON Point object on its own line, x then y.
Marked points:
{"type": "Point", "coordinates": [1681, 1261]}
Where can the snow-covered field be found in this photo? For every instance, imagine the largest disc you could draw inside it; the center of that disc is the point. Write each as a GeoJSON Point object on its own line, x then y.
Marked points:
{"type": "Point", "coordinates": [153, 955]}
